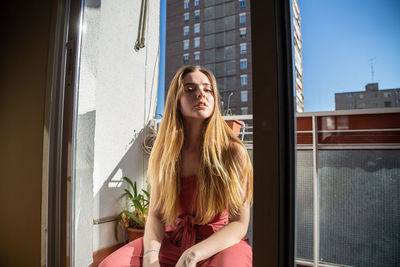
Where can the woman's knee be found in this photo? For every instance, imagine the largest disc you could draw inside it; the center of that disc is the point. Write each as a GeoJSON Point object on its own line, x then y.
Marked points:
{"type": "Point", "coordinates": [128, 255]}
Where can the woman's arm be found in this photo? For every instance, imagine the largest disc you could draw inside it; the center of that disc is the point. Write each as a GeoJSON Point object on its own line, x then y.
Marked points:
{"type": "Point", "coordinates": [153, 234]}
{"type": "Point", "coordinates": [228, 235]}
{"type": "Point", "coordinates": [225, 237]}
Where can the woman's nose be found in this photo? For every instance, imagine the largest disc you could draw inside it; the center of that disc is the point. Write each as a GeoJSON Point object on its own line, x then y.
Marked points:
{"type": "Point", "coordinates": [200, 93]}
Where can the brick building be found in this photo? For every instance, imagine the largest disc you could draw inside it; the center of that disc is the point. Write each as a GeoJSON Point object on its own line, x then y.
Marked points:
{"type": "Point", "coordinates": [372, 97]}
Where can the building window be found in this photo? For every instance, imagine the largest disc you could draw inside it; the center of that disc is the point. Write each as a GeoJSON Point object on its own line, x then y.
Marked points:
{"type": "Point", "coordinates": [186, 30]}
{"type": "Point", "coordinates": [242, 32]}
{"type": "Point", "coordinates": [242, 18]}
{"type": "Point", "coordinates": [361, 96]}
{"type": "Point", "coordinates": [397, 101]}
{"type": "Point", "coordinates": [243, 96]}
{"type": "Point", "coordinates": [245, 110]}
{"type": "Point", "coordinates": [388, 104]}
{"type": "Point", "coordinates": [398, 92]}
{"type": "Point", "coordinates": [349, 94]}
{"type": "Point", "coordinates": [185, 44]}
{"type": "Point", "coordinates": [243, 79]}
{"type": "Point", "coordinates": [387, 94]}
{"type": "Point", "coordinates": [196, 42]}
{"type": "Point", "coordinates": [186, 4]}
{"type": "Point", "coordinates": [242, 3]}
{"type": "Point", "coordinates": [197, 28]}
{"type": "Point", "coordinates": [243, 48]}
{"type": "Point", "coordinates": [197, 55]}
{"type": "Point", "coordinates": [361, 105]}
{"type": "Point", "coordinates": [196, 2]}
{"type": "Point", "coordinates": [350, 104]}
{"type": "Point", "coordinates": [186, 16]}
{"type": "Point", "coordinates": [197, 14]}
{"type": "Point", "coordinates": [243, 63]}
{"type": "Point", "coordinates": [185, 58]}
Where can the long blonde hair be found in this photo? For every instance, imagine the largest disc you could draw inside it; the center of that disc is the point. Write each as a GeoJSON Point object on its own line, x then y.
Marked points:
{"type": "Point", "coordinates": [226, 176]}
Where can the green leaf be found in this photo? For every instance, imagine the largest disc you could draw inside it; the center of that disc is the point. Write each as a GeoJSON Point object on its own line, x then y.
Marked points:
{"type": "Point", "coordinates": [133, 217]}
{"type": "Point", "coordinates": [128, 194]}
{"type": "Point", "coordinates": [129, 181]}
{"type": "Point", "coordinates": [116, 226]}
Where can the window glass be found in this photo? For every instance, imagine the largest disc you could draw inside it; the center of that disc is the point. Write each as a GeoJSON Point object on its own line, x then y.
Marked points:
{"type": "Point", "coordinates": [242, 32]}
{"type": "Point", "coordinates": [347, 132]}
{"type": "Point", "coordinates": [197, 14]}
{"type": "Point", "coordinates": [186, 16]}
{"type": "Point", "coordinates": [243, 63]}
{"type": "Point", "coordinates": [242, 3]}
{"type": "Point", "coordinates": [243, 79]}
{"type": "Point", "coordinates": [196, 2]}
{"type": "Point", "coordinates": [242, 18]}
{"type": "Point", "coordinates": [186, 4]}
{"type": "Point", "coordinates": [243, 48]}
{"type": "Point", "coordinates": [185, 58]}
{"type": "Point", "coordinates": [196, 42]}
{"type": "Point", "coordinates": [243, 96]}
{"type": "Point", "coordinates": [185, 44]}
{"type": "Point", "coordinates": [186, 30]}
{"type": "Point", "coordinates": [197, 28]}
{"type": "Point", "coordinates": [197, 55]}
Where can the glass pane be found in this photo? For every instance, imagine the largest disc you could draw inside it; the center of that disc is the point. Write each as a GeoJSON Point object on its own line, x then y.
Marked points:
{"type": "Point", "coordinates": [359, 207]}
{"type": "Point", "coordinates": [346, 76]}
{"type": "Point", "coordinates": [118, 74]}
{"type": "Point", "coordinates": [220, 42]}
{"type": "Point", "coordinates": [304, 219]}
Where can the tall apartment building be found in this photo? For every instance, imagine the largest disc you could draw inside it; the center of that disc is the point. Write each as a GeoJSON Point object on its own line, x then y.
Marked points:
{"type": "Point", "coordinates": [372, 97]}
{"type": "Point", "coordinates": [214, 34]}
{"type": "Point", "coordinates": [298, 56]}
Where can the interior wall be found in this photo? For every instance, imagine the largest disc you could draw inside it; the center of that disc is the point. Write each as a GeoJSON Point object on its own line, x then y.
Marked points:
{"type": "Point", "coordinates": [23, 68]}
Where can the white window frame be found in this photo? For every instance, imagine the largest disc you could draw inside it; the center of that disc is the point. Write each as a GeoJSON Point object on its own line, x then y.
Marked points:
{"type": "Point", "coordinates": [197, 55]}
{"type": "Point", "coordinates": [196, 28]}
{"type": "Point", "coordinates": [186, 4]}
{"type": "Point", "coordinates": [244, 96]}
{"type": "Point", "coordinates": [196, 2]}
{"type": "Point", "coordinates": [242, 17]}
{"type": "Point", "coordinates": [197, 14]}
{"type": "Point", "coordinates": [186, 16]}
{"type": "Point", "coordinates": [243, 48]}
{"type": "Point", "coordinates": [244, 110]}
{"type": "Point", "coordinates": [185, 57]}
{"type": "Point", "coordinates": [243, 80]}
{"type": "Point", "coordinates": [186, 44]}
{"type": "Point", "coordinates": [243, 32]}
{"type": "Point", "coordinates": [196, 42]}
{"type": "Point", "coordinates": [243, 63]}
{"type": "Point", "coordinates": [387, 94]}
{"type": "Point", "coordinates": [186, 30]}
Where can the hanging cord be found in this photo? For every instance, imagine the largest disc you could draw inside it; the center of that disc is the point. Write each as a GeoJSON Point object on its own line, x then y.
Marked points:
{"type": "Point", "coordinates": [142, 26]}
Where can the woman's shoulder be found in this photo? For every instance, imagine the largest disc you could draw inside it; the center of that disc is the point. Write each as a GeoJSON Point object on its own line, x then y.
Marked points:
{"type": "Point", "coordinates": [237, 149]}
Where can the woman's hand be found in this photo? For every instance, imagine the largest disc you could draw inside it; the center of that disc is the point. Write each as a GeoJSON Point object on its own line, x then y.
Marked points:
{"type": "Point", "coordinates": [151, 260]}
{"type": "Point", "coordinates": [187, 259]}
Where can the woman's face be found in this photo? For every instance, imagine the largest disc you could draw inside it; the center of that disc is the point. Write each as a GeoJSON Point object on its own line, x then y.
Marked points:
{"type": "Point", "coordinates": [197, 100]}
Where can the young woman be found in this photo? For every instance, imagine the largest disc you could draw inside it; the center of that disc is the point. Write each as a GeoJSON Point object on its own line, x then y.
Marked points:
{"type": "Point", "coordinates": [201, 185]}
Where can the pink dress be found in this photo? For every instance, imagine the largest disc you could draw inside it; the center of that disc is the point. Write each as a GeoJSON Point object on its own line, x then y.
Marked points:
{"type": "Point", "coordinates": [182, 236]}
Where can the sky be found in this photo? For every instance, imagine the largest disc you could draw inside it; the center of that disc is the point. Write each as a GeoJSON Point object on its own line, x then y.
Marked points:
{"type": "Point", "coordinates": [340, 39]}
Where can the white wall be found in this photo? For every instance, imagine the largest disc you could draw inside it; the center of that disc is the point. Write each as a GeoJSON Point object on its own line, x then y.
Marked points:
{"type": "Point", "coordinates": [117, 97]}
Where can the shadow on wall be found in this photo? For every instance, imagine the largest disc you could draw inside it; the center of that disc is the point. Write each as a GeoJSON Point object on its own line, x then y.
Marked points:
{"type": "Point", "coordinates": [133, 165]}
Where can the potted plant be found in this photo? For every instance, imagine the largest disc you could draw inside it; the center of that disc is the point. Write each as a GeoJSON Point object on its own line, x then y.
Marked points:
{"type": "Point", "coordinates": [134, 218]}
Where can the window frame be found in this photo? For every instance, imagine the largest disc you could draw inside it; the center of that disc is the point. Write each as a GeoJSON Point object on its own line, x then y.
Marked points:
{"type": "Point", "coordinates": [196, 43]}
{"type": "Point", "coordinates": [186, 44]}
{"type": "Point", "coordinates": [196, 28]}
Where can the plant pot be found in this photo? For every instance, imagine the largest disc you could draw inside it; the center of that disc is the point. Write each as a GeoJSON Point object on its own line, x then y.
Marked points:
{"type": "Point", "coordinates": [235, 125]}
{"type": "Point", "coordinates": [135, 233]}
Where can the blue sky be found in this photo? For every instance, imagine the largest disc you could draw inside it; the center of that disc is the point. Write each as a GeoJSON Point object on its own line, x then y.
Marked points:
{"type": "Point", "coordinates": [340, 37]}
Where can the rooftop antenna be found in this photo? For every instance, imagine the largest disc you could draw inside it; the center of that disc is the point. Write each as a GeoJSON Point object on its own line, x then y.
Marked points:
{"type": "Point", "coordinates": [372, 68]}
